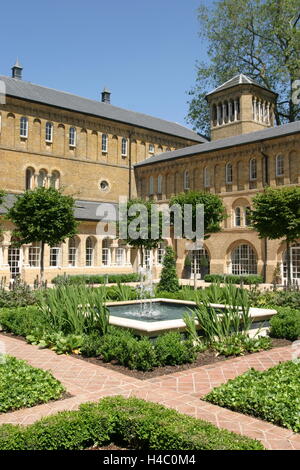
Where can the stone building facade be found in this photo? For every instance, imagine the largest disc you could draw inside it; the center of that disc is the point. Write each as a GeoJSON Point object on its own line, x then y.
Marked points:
{"type": "Point", "coordinates": [52, 138]}
{"type": "Point", "coordinates": [246, 154]}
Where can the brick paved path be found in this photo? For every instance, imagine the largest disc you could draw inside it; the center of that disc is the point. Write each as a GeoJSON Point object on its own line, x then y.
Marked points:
{"type": "Point", "coordinates": [181, 390]}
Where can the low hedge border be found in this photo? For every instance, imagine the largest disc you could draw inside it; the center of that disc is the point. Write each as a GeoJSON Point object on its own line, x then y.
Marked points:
{"type": "Point", "coordinates": [234, 279]}
{"type": "Point", "coordinates": [134, 422]}
{"type": "Point", "coordinates": [96, 279]}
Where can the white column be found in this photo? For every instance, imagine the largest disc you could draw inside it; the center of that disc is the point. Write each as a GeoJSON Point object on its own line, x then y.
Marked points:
{"type": "Point", "coordinates": [254, 109]}
{"type": "Point", "coordinates": [224, 113]}
{"type": "Point", "coordinates": [218, 114]}
{"type": "Point", "coordinates": [259, 111]}
{"type": "Point", "coordinates": [268, 113]}
{"type": "Point", "coordinates": [128, 255]}
{"type": "Point", "coordinates": [235, 110]}
{"type": "Point", "coordinates": [229, 111]}
{"type": "Point", "coordinates": [5, 255]}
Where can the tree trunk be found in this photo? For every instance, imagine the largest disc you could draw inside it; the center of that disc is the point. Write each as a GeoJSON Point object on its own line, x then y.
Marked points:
{"type": "Point", "coordinates": [142, 256]}
{"type": "Point", "coordinates": [288, 262]}
{"type": "Point", "coordinates": [42, 263]}
{"type": "Point", "coordinates": [195, 268]}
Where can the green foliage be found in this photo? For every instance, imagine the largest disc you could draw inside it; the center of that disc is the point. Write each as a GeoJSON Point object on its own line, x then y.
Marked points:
{"type": "Point", "coordinates": [214, 210]}
{"type": "Point", "coordinates": [22, 385]}
{"type": "Point", "coordinates": [43, 215]}
{"type": "Point", "coordinates": [277, 298]}
{"type": "Point", "coordinates": [236, 345]}
{"type": "Point", "coordinates": [57, 341]}
{"type": "Point", "coordinates": [267, 51]}
{"type": "Point", "coordinates": [172, 350]}
{"type": "Point", "coordinates": [286, 324]}
{"type": "Point", "coordinates": [168, 278]}
{"type": "Point", "coordinates": [275, 213]}
{"type": "Point", "coordinates": [218, 324]}
{"type": "Point", "coordinates": [96, 279]}
{"type": "Point", "coordinates": [136, 423]}
{"type": "Point", "coordinates": [234, 279]}
{"type": "Point", "coordinates": [74, 309]}
{"type": "Point", "coordinates": [121, 292]}
{"type": "Point", "coordinates": [272, 395]}
{"type": "Point", "coordinates": [144, 219]}
{"type": "Point", "coordinates": [19, 296]}
{"type": "Point", "coordinates": [91, 345]}
{"type": "Point", "coordinates": [20, 321]}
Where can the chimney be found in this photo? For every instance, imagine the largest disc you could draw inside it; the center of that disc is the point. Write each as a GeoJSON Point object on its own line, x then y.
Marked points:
{"type": "Point", "coordinates": [105, 96]}
{"type": "Point", "coordinates": [17, 70]}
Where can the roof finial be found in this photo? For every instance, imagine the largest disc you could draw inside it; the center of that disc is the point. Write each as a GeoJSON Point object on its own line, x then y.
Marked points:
{"type": "Point", "coordinates": [17, 70]}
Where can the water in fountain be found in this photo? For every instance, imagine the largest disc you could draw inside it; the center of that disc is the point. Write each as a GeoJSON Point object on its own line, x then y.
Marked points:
{"type": "Point", "coordinates": [146, 293]}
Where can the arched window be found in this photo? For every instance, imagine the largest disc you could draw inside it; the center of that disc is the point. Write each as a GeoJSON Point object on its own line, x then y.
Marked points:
{"type": "Point", "coordinates": [72, 252]}
{"type": "Point", "coordinates": [206, 177]}
{"type": "Point", "coordinates": [24, 127]}
{"type": "Point", "coordinates": [29, 178]}
{"type": "Point", "coordinates": [279, 165]}
{"type": "Point", "coordinates": [186, 180]}
{"type": "Point", "coordinates": [243, 260]}
{"type": "Point", "coordinates": [159, 184]}
{"type": "Point", "coordinates": [124, 147]}
{"type": "Point", "coordinates": [54, 181]}
{"type": "Point", "coordinates": [228, 173]}
{"type": "Point", "coordinates": [105, 252]}
{"type": "Point", "coordinates": [237, 217]}
{"type": "Point", "coordinates": [89, 252]}
{"type": "Point", "coordinates": [151, 185]}
{"type": "Point", "coordinates": [72, 137]}
{"type": "Point", "coordinates": [246, 215]}
{"type": "Point", "coordinates": [151, 149]}
{"type": "Point", "coordinates": [49, 132]}
{"type": "Point", "coordinates": [200, 262]}
{"type": "Point", "coordinates": [104, 143]}
{"type": "Point", "coordinates": [42, 179]}
{"type": "Point", "coordinates": [253, 169]}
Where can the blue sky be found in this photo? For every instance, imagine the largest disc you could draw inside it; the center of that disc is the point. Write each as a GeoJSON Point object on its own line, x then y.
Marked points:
{"type": "Point", "coordinates": [143, 50]}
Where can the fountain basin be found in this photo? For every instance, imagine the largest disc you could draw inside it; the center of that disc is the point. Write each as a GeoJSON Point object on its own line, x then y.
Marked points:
{"type": "Point", "coordinates": [167, 316]}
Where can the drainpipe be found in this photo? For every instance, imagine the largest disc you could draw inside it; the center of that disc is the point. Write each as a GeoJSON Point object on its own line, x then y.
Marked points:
{"type": "Point", "coordinates": [130, 169]}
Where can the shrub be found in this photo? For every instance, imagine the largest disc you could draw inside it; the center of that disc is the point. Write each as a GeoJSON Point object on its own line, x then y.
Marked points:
{"type": "Point", "coordinates": [233, 279]}
{"type": "Point", "coordinates": [272, 395]}
{"type": "Point", "coordinates": [168, 278]}
{"type": "Point", "coordinates": [96, 279]}
{"type": "Point", "coordinates": [21, 320]}
{"type": "Point", "coordinates": [91, 345]}
{"type": "Point", "coordinates": [19, 296]}
{"type": "Point", "coordinates": [142, 355]}
{"type": "Point", "coordinates": [22, 385]}
{"type": "Point", "coordinates": [277, 298]}
{"type": "Point", "coordinates": [172, 350]}
{"type": "Point", "coordinates": [286, 324]}
{"type": "Point", "coordinates": [241, 344]}
{"type": "Point", "coordinates": [134, 422]}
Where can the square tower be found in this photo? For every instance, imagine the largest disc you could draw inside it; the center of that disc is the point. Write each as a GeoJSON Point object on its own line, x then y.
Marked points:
{"type": "Point", "coordinates": [240, 106]}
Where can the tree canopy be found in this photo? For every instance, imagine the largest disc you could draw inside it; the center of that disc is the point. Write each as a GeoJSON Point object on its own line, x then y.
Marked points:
{"type": "Point", "coordinates": [276, 214]}
{"type": "Point", "coordinates": [260, 38]}
{"type": "Point", "coordinates": [43, 215]}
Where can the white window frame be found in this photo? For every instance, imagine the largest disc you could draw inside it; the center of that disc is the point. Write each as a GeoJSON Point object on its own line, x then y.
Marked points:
{"type": "Point", "coordinates": [124, 147]}
{"type": "Point", "coordinates": [295, 264]}
{"type": "Point", "coordinates": [34, 253]}
{"type": "Point", "coordinates": [54, 256]}
{"type": "Point", "coordinates": [279, 166]}
{"type": "Point", "coordinates": [120, 256]}
{"type": "Point", "coordinates": [24, 127]}
{"type": "Point", "coordinates": [89, 252]}
{"type": "Point", "coordinates": [238, 217]}
{"type": "Point", "coordinates": [72, 137]}
{"type": "Point", "coordinates": [49, 132]}
{"type": "Point", "coordinates": [243, 260]}
{"type": "Point", "coordinates": [253, 169]}
{"type": "Point", "coordinates": [104, 143]}
{"type": "Point", "coordinates": [186, 180]}
{"type": "Point", "coordinates": [229, 173]}
{"type": "Point", "coordinates": [72, 253]}
{"type": "Point", "coordinates": [206, 177]}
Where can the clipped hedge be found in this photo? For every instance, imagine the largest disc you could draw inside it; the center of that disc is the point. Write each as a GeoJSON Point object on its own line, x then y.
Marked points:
{"type": "Point", "coordinates": [133, 422]}
{"type": "Point", "coordinates": [285, 324]}
{"type": "Point", "coordinates": [233, 279]}
{"type": "Point", "coordinates": [96, 279]}
{"type": "Point", "coordinates": [272, 395]}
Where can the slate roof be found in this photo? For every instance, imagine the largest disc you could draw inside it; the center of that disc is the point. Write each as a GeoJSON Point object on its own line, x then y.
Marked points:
{"type": "Point", "coordinates": [257, 136]}
{"type": "Point", "coordinates": [84, 210]}
{"type": "Point", "coordinates": [28, 91]}
{"type": "Point", "coordinates": [239, 79]}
